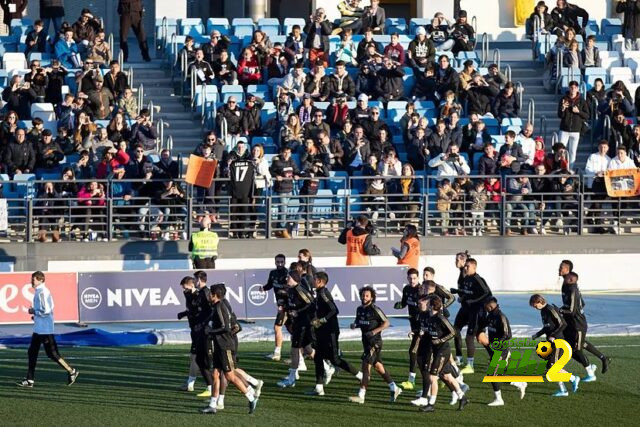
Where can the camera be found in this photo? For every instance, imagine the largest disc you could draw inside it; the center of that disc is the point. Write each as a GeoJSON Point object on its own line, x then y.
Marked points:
{"type": "Point", "coordinates": [454, 157]}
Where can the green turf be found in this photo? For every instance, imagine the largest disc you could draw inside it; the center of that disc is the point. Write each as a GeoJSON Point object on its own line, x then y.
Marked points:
{"type": "Point", "coordinates": [138, 385]}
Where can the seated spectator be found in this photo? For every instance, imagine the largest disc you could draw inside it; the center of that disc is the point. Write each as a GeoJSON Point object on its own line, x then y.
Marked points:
{"type": "Point", "coordinates": [466, 75]}
{"type": "Point", "coordinates": [541, 12]}
{"type": "Point", "coordinates": [450, 163]}
{"type": "Point", "coordinates": [339, 84]}
{"type": "Point", "coordinates": [224, 69]}
{"type": "Point", "coordinates": [68, 188]}
{"type": "Point", "coordinates": [188, 49]}
{"type": "Point", "coordinates": [65, 112]}
{"type": "Point", "coordinates": [621, 160]}
{"type": "Point", "coordinates": [312, 128]}
{"type": "Point", "coordinates": [36, 39]}
{"type": "Point", "coordinates": [48, 153]}
{"type": "Point", "coordinates": [277, 65]}
{"type": "Point", "coordinates": [598, 92]}
{"type": "Point", "coordinates": [454, 129]}
{"type": "Point", "coordinates": [389, 83]}
{"type": "Point", "coordinates": [443, 204]}
{"type": "Point", "coordinates": [572, 56]}
{"type": "Point", "coordinates": [373, 125]}
{"type": "Point", "coordinates": [346, 51]}
{"type": "Point", "coordinates": [364, 44]}
{"type": "Point", "coordinates": [137, 160]}
{"type": "Point", "coordinates": [394, 50]}
{"type": "Point", "coordinates": [66, 50]}
{"type": "Point", "coordinates": [49, 213]}
{"type": "Point", "coordinates": [540, 153]}
{"type": "Point", "coordinates": [19, 156]}
{"type": "Point", "coordinates": [306, 111]}
{"type": "Point", "coordinates": [565, 16]}
{"type": "Point", "coordinates": [519, 189]}
{"type": "Point", "coordinates": [312, 154]}
{"type": "Point", "coordinates": [216, 45]}
{"type": "Point", "coordinates": [232, 113]}
{"type": "Point", "coordinates": [92, 196]}
{"type": "Point", "coordinates": [439, 31]}
{"type": "Point", "coordinates": [495, 78]}
{"type": "Point", "coordinates": [446, 77]}
{"type": "Point", "coordinates": [488, 163]}
{"type": "Point", "coordinates": [405, 120]}
{"type": "Point", "coordinates": [118, 129]}
{"type": "Point", "coordinates": [262, 180]}
{"type": "Point", "coordinates": [101, 100]}
{"type": "Point", "coordinates": [34, 136]}
{"type": "Point", "coordinates": [86, 76]}
{"type": "Point", "coordinates": [315, 82]}
{"type": "Point", "coordinates": [284, 107]}
{"type": "Point", "coordinates": [261, 47]}
{"type": "Point", "coordinates": [203, 70]}
{"type": "Point", "coordinates": [590, 54]}
{"type": "Point", "coordinates": [449, 106]}
{"type": "Point", "coordinates": [462, 34]}
{"type": "Point", "coordinates": [100, 50]}
{"type": "Point", "coordinates": [112, 158]}
{"type": "Point", "coordinates": [362, 112]}
{"type": "Point", "coordinates": [417, 150]}
{"type": "Point", "coordinates": [333, 149]}
{"type": "Point", "coordinates": [85, 29]}
{"type": "Point", "coordinates": [478, 197]}
{"type": "Point", "coordinates": [115, 80]}
{"type": "Point", "coordinates": [84, 130]}
{"type": "Point", "coordinates": [439, 141]}
{"type": "Point", "coordinates": [251, 123]}
{"type": "Point", "coordinates": [38, 87]}
{"type": "Point", "coordinates": [350, 17]}
{"type": "Point", "coordinates": [293, 83]}
{"type": "Point", "coordinates": [345, 133]}
{"type": "Point", "coordinates": [357, 150]}
{"type": "Point", "coordinates": [421, 50]}
{"type": "Point", "coordinates": [511, 155]}
{"type": "Point", "coordinates": [318, 30]}
{"type": "Point", "coordinates": [374, 17]}
{"type": "Point", "coordinates": [17, 97]}
{"type": "Point", "coordinates": [294, 45]}
{"type": "Point", "coordinates": [83, 168]}
{"type": "Point", "coordinates": [144, 132]}
{"type": "Point", "coordinates": [128, 104]}
{"type": "Point", "coordinates": [617, 98]}
{"type": "Point", "coordinates": [337, 113]}
{"type": "Point", "coordinates": [366, 81]}
{"type": "Point", "coordinates": [390, 166]}
{"type": "Point", "coordinates": [99, 144]}
{"type": "Point", "coordinates": [425, 87]}
{"type": "Point", "coordinates": [557, 159]}
{"type": "Point", "coordinates": [249, 69]}
{"type": "Point", "coordinates": [66, 143]}
{"type": "Point", "coordinates": [528, 144]}
{"type": "Point", "coordinates": [506, 103]}
{"type": "Point", "coordinates": [56, 79]}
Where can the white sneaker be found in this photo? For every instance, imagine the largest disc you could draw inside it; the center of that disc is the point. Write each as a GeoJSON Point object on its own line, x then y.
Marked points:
{"type": "Point", "coordinates": [559, 224]}
{"type": "Point", "coordinates": [522, 386]}
{"type": "Point", "coordinates": [479, 233]}
{"type": "Point", "coordinates": [543, 231]}
{"type": "Point", "coordinates": [534, 230]}
{"type": "Point", "coordinates": [474, 234]}
{"type": "Point", "coordinates": [259, 388]}
{"type": "Point", "coordinates": [356, 399]}
{"type": "Point", "coordinates": [220, 406]}
{"type": "Point", "coordinates": [273, 356]}
{"type": "Point", "coordinates": [286, 383]}
{"type": "Point", "coordinates": [395, 393]}
{"type": "Point", "coordinates": [302, 366]}
{"type": "Point", "coordinates": [496, 402]}
{"type": "Point", "coordinates": [186, 387]}
{"type": "Point", "coordinates": [328, 374]}
{"type": "Point", "coordinates": [454, 398]}
{"type": "Point", "coordinates": [374, 217]}
{"type": "Point", "coordinates": [359, 376]}
{"type": "Point", "coordinates": [165, 236]}
{"type": "Point", "coordinates": [392, 215]}
{"type": "Point", "coordinates": [421, 401]}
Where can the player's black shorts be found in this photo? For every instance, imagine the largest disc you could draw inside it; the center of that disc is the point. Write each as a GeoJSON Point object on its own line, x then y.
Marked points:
{"type": "Point", "coordinates": [224, 360]}
{"type": "Point", "coordinates": [556, 354]}
{"type": "Point", "coordinates": [449, 369]}
{"type": "Point", "coordinates": [414, 324]}
{"type": "Point", "coordinates": [437, 358]}
{"type": "Point", "coordinates": [575, 337]}
{"type": "Point", "coordinates": [372, 352]}
{"type": "Point", "coordinates": [467, 316]}
{"type": "Point", "coordinates": [326, 344]}
{"type": "Point", "coordinates": [301, 334]}
{"type": "Point", "coordinates": [281, 316]}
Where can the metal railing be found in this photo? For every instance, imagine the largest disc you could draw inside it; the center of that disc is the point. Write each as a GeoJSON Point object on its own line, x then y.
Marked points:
{"type": "Point", "coordinates": [519, 93]}
{"type": "Point", "coordinates": [507, 72]}
{"type": "Point", "coordinates": [543, 127]}
{"type": "Point", "coordinates": [474, 24]}
{"type": "Point", "coordinates": [130, 76]}
{"type": "Point", "coordinates": [557, 205]}
{"type": "Point", "coordinates": [110, 42]}
{"type": "Point", "coordinates": [485, 49]}
{"type": "Point", "coordinates": [497, 57]}
{"type": "Point", "coordinates": [559, 63]}
{"type": "Point", "coordinates": [531, 111]}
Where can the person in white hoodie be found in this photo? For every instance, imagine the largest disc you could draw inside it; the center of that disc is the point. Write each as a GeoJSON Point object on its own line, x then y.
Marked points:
{"type": "Point", "coordinates": [621, 161]}
{"type": "Point", "coordinates": [42, 314]}
{"type": "Point", "coordinates": [450, 164]}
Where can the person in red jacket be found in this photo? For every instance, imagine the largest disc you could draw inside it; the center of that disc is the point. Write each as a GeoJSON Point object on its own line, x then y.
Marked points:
{"type": "Point", "coordinates": [249, 69]}
{"type": "Point", "coordinates": [394, 50]}
{"type": "Point", "coordinates": [112, 159]}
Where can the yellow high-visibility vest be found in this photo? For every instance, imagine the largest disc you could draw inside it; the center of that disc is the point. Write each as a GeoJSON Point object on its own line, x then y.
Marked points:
{"type": "Point", "coordinates": [205, 244]}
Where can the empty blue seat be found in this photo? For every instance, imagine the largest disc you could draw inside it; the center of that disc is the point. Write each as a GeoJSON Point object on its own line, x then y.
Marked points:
{"type": "Point", "coordinates": [220, 24]}
{"type": "Point", "coordinates": [418, 22]}
{"type": "Point", "coordinates": [510, 122]}
{"type": "Point", "coordinates": [395, 25]}
{"type": "Point", "coordinates": [24, 185]}
{"type": "Point", "coordinates": [323, 204]}
{"type": "Point", "coordinates": [611, 26]}
{"type": "Point", "coordinates": [288, 24]}
{"type": "Point", "coordinates": [270, 26]}
{"type": "Point", "coordinates": [191, 27]}
{"type": "Point", "coordinates": [264, 140]}
{"type": "Point", "coordinates": [232, 90]}
{"type": "Point", "coordinates": [242, 27]}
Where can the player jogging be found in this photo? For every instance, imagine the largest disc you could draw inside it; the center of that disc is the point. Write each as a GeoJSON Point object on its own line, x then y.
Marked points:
{"type": "Point", "coordinates": [498, 328]}
{"type": "Point", "coordinates": [200, 321]}
{"type": "Point", "coordinates": [189, 290]}
{"type": "Point", "coordinates": [278, 282]}
{"type": "Point", "coordinates": [224, 358]}
{"type": "Point", "coordinates": [432, 288]}
{"type": "Point", "coordinates": [553, 326]}
{"type": "Point", "coordinates": [327, 332]}
{"type": "Point", "coordinates": [472, 291]}
{"type": "Point", "coordinates": [410, 299]}
{"type": "Point", "coordinates": [372, 321]}
{"type": "Point", "coordinates": [42, 312]}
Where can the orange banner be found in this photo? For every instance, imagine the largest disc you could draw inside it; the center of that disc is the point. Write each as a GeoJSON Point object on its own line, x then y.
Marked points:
{"type": "Point", "coordinates": [200, 171]}
{"type": "Point", "coordinates": [622, 182]}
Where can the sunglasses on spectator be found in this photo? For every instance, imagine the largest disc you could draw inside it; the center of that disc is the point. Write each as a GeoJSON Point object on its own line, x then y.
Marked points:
{"type": "Point", "coordinates": [215, 37]}
{"type": "Point", "coordinates": [375, 113]}
{"type": "Point", "coordinates": [232, 102]}
{"type": "Point", "coordinates": [139, 151]}
{"type": "Point", "coordinates": [211, 139]}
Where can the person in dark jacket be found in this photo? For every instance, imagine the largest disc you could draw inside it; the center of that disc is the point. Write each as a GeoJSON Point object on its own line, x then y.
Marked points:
{"type": "Point", "coordinates": [357, 150]}
{"type": "Point", "coordinates": [12, 9]}
{"type": "Point", "coordinates": [446, 77]}
{"type": "Point", "coordinates": [510, 156]}
{"type": "Point", "coordinates": [426, 84]}
{"type": "Point", "coordinates": [166, 166]}
{"type": "Point", "coordinates": [339, 84]}
{"type": "Point", "coordinates": [56, 77]}
{"type": "Point", "coordinates": [366, 81]}
{"type": "Point", "coordinates": [251, 125]}
{"type": "Point", "coordinates": [439, 141]}
{"type": "Point", "coordinates": [217, 44]}
{"type": "Point", "coordinates": [374, 17]}
{"type": "Point", "coordinates": [130, 12]}
{"type": "Point", "coordinates": [294, 45]}
{"type": "Point", "coordinates": [284, 171]}
{"type": "Point", "coordinates": [19, 156]}
{"type": "Point", "coordinates": [573, 111]}
{"type": "Point", "coordinates": [630, 23]}
{"type": "Point", "coordinates": [372, 127]}
{"type": "Point", "coordinates": [421, 50]}
{"type": "Point", "coordinates": [52, 11]}
{"type": "Point", "coordinates": [115, 80]}
{"type": "Point", "coordinates": [225, 70]}
{"type": "Point", "coordinates": [233, 115]}
{"type": "Point", "coordinates": [389, 84]}
{"type": "Point", "coordinates": [318, 30]}
{"type": "Point", "coordinates": [364, 44]}
{"type": "Point", "coordinates": [541, 11]}
{"type": "Point", "coordinates": [337, 113]}
{"type": "Point", "coordinates": [36, 39]}
{"type": "Point", "coordinates": [417, 149]}
{"type": "Point", "coordinates": [17, 97]}
{"type": "Point", "coordinates": [204, 72]}
{"type": "Point", "coordinates": [506, 103]}
{"type": "Point", "coordinates": [49, 154]}
{"type": "Point", "coordinates": [463, 34]}
{"type": "Point", "coordinates": [144, 132]}
{"type": "Point", "coordinates": [566, 15]}
{"type": "Point", "coordinates": [488, 163]}
{"type": "Point", "coordinates": [479, 95]}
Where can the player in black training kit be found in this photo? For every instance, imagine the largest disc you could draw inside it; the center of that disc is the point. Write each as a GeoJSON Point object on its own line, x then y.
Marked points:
{"type": "Point", "coordinates": [372, 321]}
{"type": "Point", "coordinates": [498, 328]}
{"type": "Point", "coordinates": [201, 319]}
{"type": "Point", "coordinates": [438, 332]}
{"type": "Point", "coordinates": [300, 306]}
{"type": "Point", "coordinates": [566, 267]}
{"type": "Point", "coordinates": [410, 299]}
{"type": "Point", "coordinates": [220, 331]}
{"type": "Point", "coordinates": [327, 332]}
{"type": "Point", "coordinates": [432, 288]}
{"type": "Point", "coordinates": [553, 326]}
{"type": "Point", "coordinates": [472, 291]}
{"type": "Point", "coordinates": [278, 282]}
{"type": "Point", "coordinates": [189, 290]}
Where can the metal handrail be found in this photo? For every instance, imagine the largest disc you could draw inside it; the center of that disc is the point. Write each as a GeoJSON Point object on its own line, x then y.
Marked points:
{"type": "Point", "coordinates": [474, 24]}
{"type": "Point", "coordinates": [150, 108]}
{"type": "Point", "coordinates": [130, 76]}
{"type": "Point", "coordinates": [583, 90]}
{"type": "Point", "coordinates": [121, 59]}
{"type": "Point", "coordinates": [160, 132]}
{"type": "Point", "coordinates": [170, 142]}
{"type": "Point", "coordinates": [519, 92]}
{"type": "Point", "coordinates": [559, 61]}
{"type": "Point", "coordinates": [194, 84]}
{"type": "Point", "coordinates": [606, 127]}
{"type": "Point", "coordinates": [110, 43]}
{"type": "Point", "coordinates": [164, 29]}
{"type": "Point", "coordinates": [496, 57]}
{"type": "Point", "coordinates": [543, 127]}
{"type": "Point", "coordinates": [531, 113]}
{"type": "Point", "coordinates": [554, 138]}
{"type": "Point", "coordinates": [595, 115]}
{"type": "Point", "coordinates": [485, 49]}
{"type": "Point", "coordinates": [140, 96]}
{"type": "Point", "coordinates": [507, 72]}
{"type": "Point", "coordinates": [224, 129]}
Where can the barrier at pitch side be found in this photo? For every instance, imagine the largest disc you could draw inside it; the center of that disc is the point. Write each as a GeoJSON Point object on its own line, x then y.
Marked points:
{"type": "Point", "coordinates": [156, 296]}
{"type": "Point", "coordinates": [16, 296]}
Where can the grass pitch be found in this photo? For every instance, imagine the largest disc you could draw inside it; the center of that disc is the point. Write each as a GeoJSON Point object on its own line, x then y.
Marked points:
{"type": "Point", "coordinates": [138, 385]}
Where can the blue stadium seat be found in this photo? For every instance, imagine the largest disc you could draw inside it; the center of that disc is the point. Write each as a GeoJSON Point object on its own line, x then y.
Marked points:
{"type": "Point", "coordinates": [270, 26]}
{"type": "Point", "coordinates": [395, 25]}
{"type": "Point", "coordinates": [220, 24]}
{"type": "Point", "coordinates": [510, 122]}
{"type": "Point", "coordinates": [172, 28]}
{"type": "Point", "coordinates": [266, 115]}
{"type": "Point", "coordinates": [417, 22]}
{"type": "Point", "coordinates": [341, 198]}
{"type": "Point", "coordinates": [242, 27]}
{"type": "Point", "coordinates": [492, 125]}
{"type": "Point", "coordinates": [339, 182]}
{"type": "Point", "coordinates": [232, 90]}
{"type": "Point", "coordinates": [210, 95]}
{"type": "Point", "coordinates": [191, 27]}
{"type": "Point", "coordinates": [264, 140]}
{"type": "Point", "coordinates": [261, 91]}
{"type": "Point", "coordinates": [24, 185]}
{"type": "Point", "coordinates": [323, 204]}
{"type": "Point", "coordinates": [611, 26]}
{"type": "Point", "coordinates": [384, 39]}
{"type": "Point", "coordinates": [288, 24]}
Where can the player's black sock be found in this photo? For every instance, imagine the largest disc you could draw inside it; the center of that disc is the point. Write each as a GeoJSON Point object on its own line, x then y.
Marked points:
{"type": "Point", "coordinates": [495, 386]}
{"type": "Point", "coordinates": [295, 358]}
{"type": "Point", "coordinates": [594, 350]}
{"type": "Point", "coordinates": [471, 346]}
{"type": "Point", "coordinates": [425, 383]}
{"type": "Point", "coordinates": [580, 357]}
{"type": "Point", "coordinates": [319, 362]}
{"type": "Point", "coordinates": [458, 342]}
{"type": "Point", "coordinates": [386, 377]}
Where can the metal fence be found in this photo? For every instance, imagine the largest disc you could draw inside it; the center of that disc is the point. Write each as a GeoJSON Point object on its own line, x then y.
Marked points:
{"type": "Point", "coordinates": [556, 205]}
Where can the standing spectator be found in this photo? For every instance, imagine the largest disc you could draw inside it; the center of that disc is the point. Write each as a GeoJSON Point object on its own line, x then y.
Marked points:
{"type": "Point", "coordinates": [19, 156]}
{"type": "Point", "coordinates": [572, 57]}
{"type": "Point", "coordinates": [84, 30]}
{"type": "Point", "coordinates": [233, 116]}
{"type": "Point", "coordinates": [488, 163]}
{"type": "Point", "coordinates": [443, 204]}
{"type": "Point", "coordinates": [115, 80]}
{"type": "Point", "coordinates": [372, 127]}
{"type": "Point", "coordinates": [311, 172]}
{"type": "Point", "coordinates": [101, 100]}
{"type": "Point", "coordinates": [511, 156]}
{"type": "Point", "coordinates": [389, 83]}
{"type": "Point", "coordinates": [439, 31]}
{"type": "Point", "coordinates": [596, 167]}
{"type": "Point", "coordinates": [83, 169]}
{"type": "Point", "coordinates": [479, 95]}
{"type": "Point", "coordinates": [590, 54]}
{"type": "Point", "coordinates": [48, 154]}
{"type": "Point", "coordinates": [394, 50]}
{"type": "Point", "coordinates": [421, 50]}
{"type": "Point", "coordinates": [294, 45]}
{"type": "Point", "coordinates": [188, 49]}
{"type": "Point", "coordinates": [214, 48]}
{"type": "Point", "coordinates": [621, 132]}
{"type": "Point", "coordinates": [92, 197]}
{"type": "Point", "coordinates": [333, 148]}
{"type": "Point", "coordinates": [374, 17]}
{"type": "Point", "coordinates": [409, 189]}
{"type": "Point", "coordinates": [135, 167]}
{"type": "Point", "coordinates": [572, 111]}
{"type": "Point", "coordinates": [241, 175]}
{"type": "Point", "coordinates": [48, 215]}
{"type": "Point", "coordinates": [131, 12]}
{"type": "Point", "coordinates": [66, 50]}
{"type": "Point", "coordinates": [277, 66]}
{"type": "Point", "coordinates": [261, 47]}
{"type": "Point", "coordinates": [52, 11]}
{"type": "Point", "coordinates": [631, 23]}
{"type": "Point", "coordinates": [425, 87]}
{"type": "Point", "coordinates": [494, 192]}
{"type": "Point", "coordinates": [315, 82]}
{"type": "Point", "coordinates": [17, 97]}
{"type": "Point", "coordinates": [36, 39]}
{"type": "Point", "coordinates": [144, 131]}
{"type": "Point", "coordinates": [450, 163]}
{"type": "Point", "coordinates": [249, 69]}
{"type": "Point", "coordinates": [12, 9]}
{"type": "Point", "coordinates": [506, 103]}
{"type": "Point", "coordinates": [318, 30]}
{"type": "Point", "coordinates": [251, 125]}
{"type": "Point", "coordinates": [476, 139]}
{"type": "Point", "coordinates": [357, 150]}
{"type": "Point", "coordinates": [479, 199]}
{"type": "Point", "coordinates": [285, 171]}
{"type": "Point", "coordinates": [166, 166]}
{"type": "Point", "coordinates": [519, 189]}
{"type": "Point", "coordinates": [56, 76]}
{"type": "Point", "coordinates": [598, 93]}
{"type": "Point", "coordinates": [112, 159]}
{"type": "Point", "coordinates": [100, 50]}
{"type": "Point", "coordinates": [8, 128]}
{"type": "Point", "coordinates": [224, 69]}
{"type": "Point", "coordinates": [417, 150]}
{"type": "Point", "coordinates": [462, 34]}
